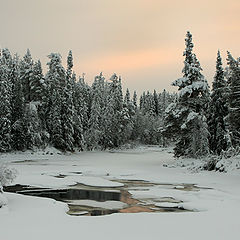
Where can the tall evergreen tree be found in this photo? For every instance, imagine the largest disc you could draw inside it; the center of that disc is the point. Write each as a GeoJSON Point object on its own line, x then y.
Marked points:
{"type": "Point", "coordinates": [55, 80]}
{"type": "Point", "coordinates": [36, 82]}
{"type": "Point", "coordinates": [5, 100]}
{"type": "Point", "coordinates": [127, 97]}
{"type": "Point", "coordinates": [67, 111]}
{"type": "Point", "coordinates": [26, 72]}
{"type": "Point", "coordinates": [80, 113]}
{"type": "Point", "coordinates": [187, 117]}
{"type": "Point", "coordinates": [98, 106]}
{"type": "Point", "coordinates": [134, 100]}
{"type": "Point", "coordinates": [218, 110]}
{"type": "Point", "coordinates": [155, 102]}
{"type": "Point", "coordinates": [18, 130]}
{"type": "Point", "coordinates": [113, 118]}
{"type": "Point", "coordinates": [234, 98]}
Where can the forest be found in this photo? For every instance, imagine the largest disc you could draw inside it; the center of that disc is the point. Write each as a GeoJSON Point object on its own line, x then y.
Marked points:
{"type": "Point", "coordinates": [60, 109]}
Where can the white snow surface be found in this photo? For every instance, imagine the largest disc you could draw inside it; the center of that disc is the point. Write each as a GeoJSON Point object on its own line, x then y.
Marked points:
{"type": "Point", "coordinates": [216, 210]}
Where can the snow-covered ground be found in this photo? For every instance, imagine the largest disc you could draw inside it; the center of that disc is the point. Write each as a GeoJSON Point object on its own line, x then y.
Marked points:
{"type": "Point", "coordinates": [215, 200]}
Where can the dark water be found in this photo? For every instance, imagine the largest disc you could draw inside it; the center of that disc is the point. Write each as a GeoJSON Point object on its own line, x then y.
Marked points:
{"type": "Point", "coordinates": [98, 194]}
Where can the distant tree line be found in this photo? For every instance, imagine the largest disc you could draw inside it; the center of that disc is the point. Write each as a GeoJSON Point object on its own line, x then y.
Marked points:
{"type": "Point", "coordinates": [61, 110]}
{"type": "Point", "coordinates": [203, 122]}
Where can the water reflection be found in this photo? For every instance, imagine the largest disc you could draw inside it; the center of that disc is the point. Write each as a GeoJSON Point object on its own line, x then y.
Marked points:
{"type": "Point", "coordinates": [100, 201]}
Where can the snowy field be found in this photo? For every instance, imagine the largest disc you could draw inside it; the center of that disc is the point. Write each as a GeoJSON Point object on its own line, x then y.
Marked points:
{"type": "Point", "coordinates": [214, 201]}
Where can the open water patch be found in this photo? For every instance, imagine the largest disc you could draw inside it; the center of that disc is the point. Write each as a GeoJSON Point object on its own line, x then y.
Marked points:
{"type": "Point", "coordinates": [85, 200]}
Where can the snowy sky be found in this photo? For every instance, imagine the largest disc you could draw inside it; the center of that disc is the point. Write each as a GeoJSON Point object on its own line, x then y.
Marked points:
{"type": "Point", "coordinates": [142, 40]}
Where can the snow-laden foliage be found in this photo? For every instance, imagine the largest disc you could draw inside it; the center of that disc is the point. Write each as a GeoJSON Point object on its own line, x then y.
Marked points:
{"type": "Point", "coordinates": [7, 175]}
{"type": "Point", "coordinates": [218, 110]}
{"type": "Point", "coordinates": [62, 110]}
{"type": "Point", "coordinates": [5, 100]}
{"type": "Point", "coordinates": [186, 118]}
{"type": "Point", "coordinates": [234, 98]}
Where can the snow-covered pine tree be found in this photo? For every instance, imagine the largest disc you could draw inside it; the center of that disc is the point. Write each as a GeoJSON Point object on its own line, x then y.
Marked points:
{"type": "Point", "coordinates": [18, 130]}
{"type": "Point", "coordinates": [32, 125]}
{"type": "Point", "coordinates": [135, 118]}
{"type": "Point", "coordinates": [234, 99]}
{"type": "Point", "coordinates": [155, 102]}
{"type": "Point", "coordinates": [128, 114]}
{"type": "Point", "coordinates": [95, 133]}
{"type": "Point", "coordinates": [55, 80]}
{"type": "Point", "coordinates": [134, 100]}
{"type": "Point", "coordinates": [162, 101]}
{"type": "Point", "coordinates": [36, 82]}
{"type": "Point", "coordinates": [78, 114]}
{"type": "Point", "coordinates": [218, 110]}
{"type": "Point", "coordinates": [150, 107]}
{"type": "Point", "coordinates": [5, 100]}
{"type": "Point", "coordinates": [26, 71]}
{"type": "Point", "coordinates": [187, 117]}
{"type": "Point", "coordinates": [113, 118]}
{"type": "Point", "coordinates": [84, 92]}
{"type": "Point", "coordinates": [142, 101]}
{"type": "Point", "coordinates": [67, 111]}
{"type": "Point", "coordinates": [127, 97]}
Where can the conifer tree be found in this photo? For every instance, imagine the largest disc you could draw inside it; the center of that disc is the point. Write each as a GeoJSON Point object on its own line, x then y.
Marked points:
{"type": "Point", "coordinates": [234, 98]}
{"type": "Point", "coordinates": [218, 111]}
{"type": "Point", "coordinates": [134, 100]}
{"type": "Point", "coordinates": [127, 97]}
{"type": "Point", "coordinates": [55, 80]}
{"type": "Point", "coordinates": [18, 130]}
{"type": "Point", "coordinates": [113, 118]}
{"type": "Point", "coordinates": [67, 111]}
{"type": "Point", "coordinates": [77, 118]}
{"type": "Point", "coordinates": [33, 126]}
{"type": "Point", "coordinates": [155, 103]}
{"type": "Point", "coordinates": [26, 72]}
{"type": "Point", "coordinates": [98, 105]}
{"type": "Point", "coordinates": [36, 82]}
{"type": "Point", "coordinates": [187, 119]}
{"type": "Point", "coordinates": [5, 100]}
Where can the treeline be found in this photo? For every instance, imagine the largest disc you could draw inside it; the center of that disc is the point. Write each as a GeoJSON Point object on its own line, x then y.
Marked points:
{"type": "Point", "coordinates": [62, 110]}
{"type": "Point", "coordinates": [204, 122]}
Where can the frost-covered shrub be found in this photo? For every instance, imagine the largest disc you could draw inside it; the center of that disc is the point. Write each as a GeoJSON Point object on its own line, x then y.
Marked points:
{"type": "Point", "coordinates": [211, 163]}
{"type": "Point", "coordinates": [7, 175]}
{"type": "Point", "coordinates": [231, 152]}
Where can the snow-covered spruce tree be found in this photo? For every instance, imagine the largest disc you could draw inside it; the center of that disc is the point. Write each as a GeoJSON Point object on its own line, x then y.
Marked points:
{"type": "Point", "coordinates": [187, 119]}
{"type": "Point", "coordinates": [147, 122]}
{"type": "Point", "coordinates": [82, 106]}
{"type": "Point", "coordinates": [55, 80]}
{"type": "Point", "coordinates": [155, 103]}
{"type": "Point", "coordinates": [127, 97]}
{"type": "Point", "coordinates": [39, 98]}
{"type": "Point", "coordinates": [135, 118]}
{"type": "Point", "coordinates": [148, 104]}
{"type": "Point", "coordinates": [142, 101]}
{"type": "Point", "coordinates": [18, 130]}
{"type": "Point", "coordinates": [218, 110]}
{"type": "Point", "coordinates": [113, 118]}
{"type": "Point", "coordinates": [36, 83]}
{"type": "Point", "coordinates": [80, 112]}
{"type": "Point", "coordinates": [5, 100]}
{"type": "Point", "coordinates": [94, 134]}
{"type": "Point", "coordinates": [134, 100]}
{"type": "Point", "coordinates": [33, 136]}
{"type": "Point", "coordinates": [234, 99]}
{"type": "Point", "coordinates": [26, 72]}
{"type": "Point", "coordinates": [163, 102]}
{"type": "Point", "coordinates": [128, 115]}
{"type": "Point", "coordinates": [67, 110]}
